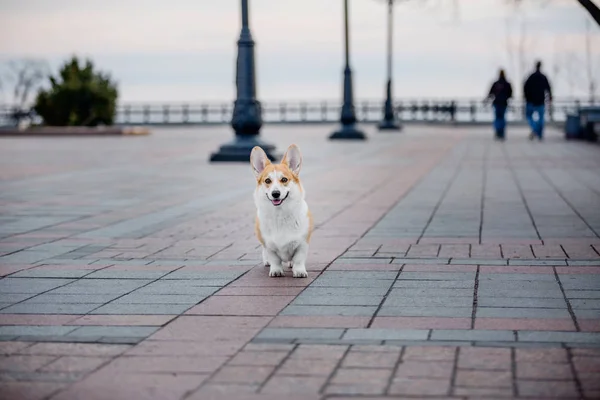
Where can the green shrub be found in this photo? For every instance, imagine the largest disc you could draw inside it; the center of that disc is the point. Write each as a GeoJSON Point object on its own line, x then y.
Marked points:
{"type": "Point", "coordinates": [78, 97]}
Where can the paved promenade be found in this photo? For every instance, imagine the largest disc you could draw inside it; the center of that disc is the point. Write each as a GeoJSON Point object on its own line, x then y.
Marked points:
{"type": "Point", "coordinates": [444, 265]}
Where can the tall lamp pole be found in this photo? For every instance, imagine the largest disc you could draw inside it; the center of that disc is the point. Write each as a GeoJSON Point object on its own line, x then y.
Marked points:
{"type": "Point", "coordinates": [389, 121]}
{"type": "Point", "coordinates": [348, 116]}
{"type": "Point", "coordinates": [247, 118]}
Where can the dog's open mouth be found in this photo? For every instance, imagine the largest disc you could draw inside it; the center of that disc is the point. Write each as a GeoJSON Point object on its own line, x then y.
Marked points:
{"type": "Point", "coordinates": [277, 202]}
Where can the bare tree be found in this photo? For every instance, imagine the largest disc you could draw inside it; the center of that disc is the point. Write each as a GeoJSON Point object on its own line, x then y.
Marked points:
{"type": "Point", "coordinates": [592, 8]}
{"type": "Point", "coordinates": [24, 76]}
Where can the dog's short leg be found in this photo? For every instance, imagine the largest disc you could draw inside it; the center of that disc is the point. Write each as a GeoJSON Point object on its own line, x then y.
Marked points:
{"type": "Point", "coordinates": [275, 264]}
{"type": "Point", "coordinates": [265, 258]}
{"type": "Point", "coordinates": [299, 261]}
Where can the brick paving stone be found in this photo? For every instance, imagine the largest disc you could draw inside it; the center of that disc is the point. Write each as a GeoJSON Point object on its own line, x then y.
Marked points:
{"type": "Point", "coordinates": [471, 378]}
{"type": "Point", "coordinates": [547, 389]}
{"type": "Point", "coordinates": [24, 363]}
{"type": "Point", "coordinates": [359, 359]}
{"type": "Point", "coordinates": [241, 305]}
{"type": "Point", "coordinates": [308, 367]}
{"type": "Point", "coordinates": [128, 320]}
{"type": "Point", "coordinates": [395, 215]}
{"type": "Point", "coordinates": [545, 336]}
{"type": "Point", "coordinates": [166, 364]}
{"type": "Point", "coordinates": [255, 358]}
{"type": "Point", "coordinates": [474, 335]}
{"type": "Point", "coordinates": [433, 353]}
{"type": "Point", "coordinates": [101, 385]}
{"type": "Point", "coordinates": [366, 376]}
{"type": "Point", "coordinates": [425, 369]}
{"type": "Point", "coordinates": [421, 323]}
{"type": "Point", "coordinates": [386, 334]}
{"type": "Point", "coordinates": [37, 319]}
{"type": "Point", "coordinates": [75, 349]}
{"type": "Point", "coordinates": [527, 371]}
{"type": "Point", "coordinates": [242, 374]}
{"type": "Point", "coordinates": [285, 321]}
{"type": "Point", "coordinates": [419, 387]}
{"type": "Point", "coordinates": [589, 325]}
{"type": "Point", "coordinates": [294, 385]}
{"type": "Point", "coordinates": [185, 348]}
{"type": "Point", "coordinates": [300, 333]}
{"type": "Point", "coordinates": [525, 324]}
{"type": "Point", "coordinates": [484, 358]}
{"type": "Point", "coordinates": [29, 390]}
{"type": "Point", "coordinates": [75, 364]}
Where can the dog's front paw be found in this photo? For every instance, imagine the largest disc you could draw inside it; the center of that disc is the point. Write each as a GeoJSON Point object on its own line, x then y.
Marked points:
{"type": "Point", "coordinates": [299, 272]}
{"type": "Point", "coordinates": [276, 272]}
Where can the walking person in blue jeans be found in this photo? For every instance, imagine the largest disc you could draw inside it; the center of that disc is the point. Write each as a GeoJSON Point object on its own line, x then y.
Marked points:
{"type": "Point", "coordinates": [500, 91]}
{"type": "Point", "coordinates": [535, 89]}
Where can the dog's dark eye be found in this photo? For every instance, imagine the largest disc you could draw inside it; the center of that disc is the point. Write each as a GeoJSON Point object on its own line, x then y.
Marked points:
{"type": "Point", "coordinates": [268, 181]}
{"type": "Point", "coordinates": [284, 180]}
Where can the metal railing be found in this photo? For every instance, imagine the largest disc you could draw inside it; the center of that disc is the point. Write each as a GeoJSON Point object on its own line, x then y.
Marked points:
{"type": "Point", "coordinates": [313, 112]}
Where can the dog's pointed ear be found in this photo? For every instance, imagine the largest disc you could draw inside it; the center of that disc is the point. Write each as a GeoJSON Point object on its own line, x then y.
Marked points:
{"type": "Point", "coordinates": [293, 159]}
{"type": "Point", "coordinates": [259, 160]}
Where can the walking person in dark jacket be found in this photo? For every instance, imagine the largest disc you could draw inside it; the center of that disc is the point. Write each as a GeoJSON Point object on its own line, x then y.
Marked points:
{"type": "Point", "coordinates": [500, 91]}
{"type": "Point", "coordinates": [535, 89]}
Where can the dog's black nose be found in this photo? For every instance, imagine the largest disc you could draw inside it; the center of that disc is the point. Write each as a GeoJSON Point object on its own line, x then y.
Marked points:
{"type": "Point", "coordinates": [275, 194]}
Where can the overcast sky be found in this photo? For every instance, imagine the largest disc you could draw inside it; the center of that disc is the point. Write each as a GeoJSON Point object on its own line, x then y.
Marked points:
{"type": "Point", "coordinates": [184, 50]}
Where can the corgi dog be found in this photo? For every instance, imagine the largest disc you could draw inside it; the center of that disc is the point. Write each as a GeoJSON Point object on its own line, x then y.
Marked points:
{"type": "Point", "coordinates": [284, 223]}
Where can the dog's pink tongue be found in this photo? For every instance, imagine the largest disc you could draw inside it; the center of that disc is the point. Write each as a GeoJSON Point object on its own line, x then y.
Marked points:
{"type": "Point", "coordinates": [276, 202]}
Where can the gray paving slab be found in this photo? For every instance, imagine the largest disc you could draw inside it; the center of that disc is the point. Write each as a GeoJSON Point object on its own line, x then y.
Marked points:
{"type": "Point", "coordinates": [51, 298]}
{"type": "Point", "coordinates": [210, 275]}
{"type": "Point", "coordinates": [386, 334]}
{"type": "Point", "coordinates": [586, 314]}
{"type": "Point", "coordinates": [51, 273]}
{"type": "Point", "coordinates": [473, 335]}
{"type": "Point", "coordinates": [23, 330]}
{"type": "Point", "coordinates": [49, 308]}
{"type": "Point", "coordinates": [451, 284]}
{"type": "Point", "coordinates": [136, 298]}
{"type": "Point", "coordinates": [124, 274]}
{"type": "Point", "coordinates": [101, 286]}
{"type": "Point", "coordinates": [353, 291]}
{"type": "Point", "coordinates": [582, 294]}
{"type": "Point", "coordinates": [141, 309]}
{"type": "Point", "coordinates": [437, 276]}
{"type": "Point", "coordinates": [359, 275]}
{"type": "Point", "coordinates": [585, 304]}
{"type": "Point", "coordinates": [330, 310]}
{"type": "Point", "coordinates": [517, 277]}
{"type": "Point", "coordinates": [559, 337]}
{"type": "Point", "coordinates": [410, 301]}
{"type": "Point", "coordinates": [458, 312]}
{"type": "Point", "coordinates": [480, 261]}
{"type": "Point", "coordinates": [9, 298]}
{"type": "Point", "coordinates": [182, 287]}
{"type": "Point", "coordinates": [527, 293]}
{"type": "Point", "coordinates": [506, 312]}
{"type": "Point", "coordinates": [521, 302]}
{"type": "Point", "coordinates": [114, 331]}
{"type": "Point", "coordinates": [304, 300]}
{"type": "Point", "coordinates": [352, 283]}
{"type": "Point", "coordinates": [30, 285]}
{"type": "Point", "coordinates": [300, 333]}
{"type": "Point", "coordinates": [430, 292]}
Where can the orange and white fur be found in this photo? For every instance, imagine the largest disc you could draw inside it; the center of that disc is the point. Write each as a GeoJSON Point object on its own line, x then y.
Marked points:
{"type": "Point", "coordinates": [283, 221]}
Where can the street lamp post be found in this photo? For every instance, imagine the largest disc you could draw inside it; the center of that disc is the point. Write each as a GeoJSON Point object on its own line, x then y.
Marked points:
{"type": "Point", "coordinates": [389, 119]}
{"type": "Point", "coordinates": [247, 118]}
{"type": "Point", "coordinates": [348, 116]}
